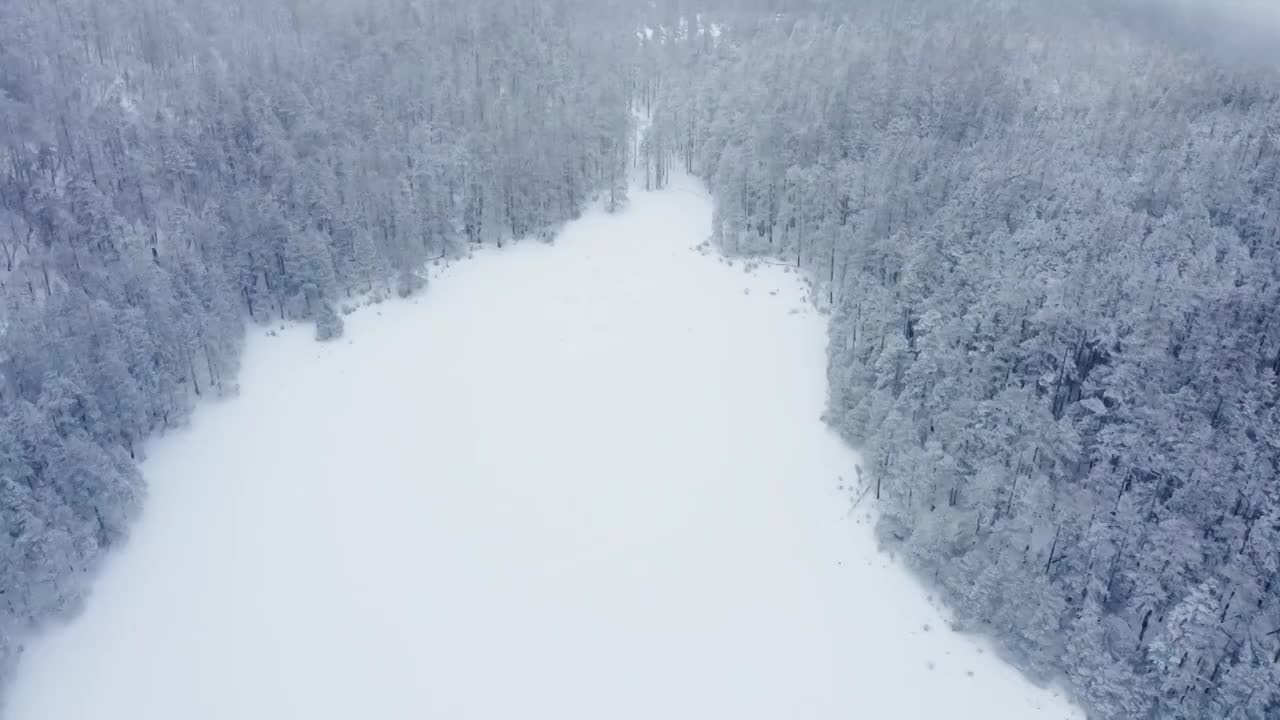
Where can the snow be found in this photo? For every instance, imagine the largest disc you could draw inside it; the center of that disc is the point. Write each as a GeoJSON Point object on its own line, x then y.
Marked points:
{"type": "Point", "coordinates": [580, 480]}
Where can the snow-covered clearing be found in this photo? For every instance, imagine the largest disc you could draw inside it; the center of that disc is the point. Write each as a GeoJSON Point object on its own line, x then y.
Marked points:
{"type": "Point", "coordinates": [575, 481]}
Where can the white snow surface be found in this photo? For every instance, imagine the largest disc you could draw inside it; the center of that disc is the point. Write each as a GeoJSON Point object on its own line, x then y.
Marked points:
{"type": "Point", "coordinates": [585, 480]}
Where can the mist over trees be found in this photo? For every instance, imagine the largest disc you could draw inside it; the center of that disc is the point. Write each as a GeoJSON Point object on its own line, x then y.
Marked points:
{"type": "Point", "coordinates": [1235, 30]}
{"type": "Point", "coordinates": [1048, 235]}
{"type": "Point", "coordinates": [1051, 250]}
{"type": "Point", "coordinates": [170, 169]}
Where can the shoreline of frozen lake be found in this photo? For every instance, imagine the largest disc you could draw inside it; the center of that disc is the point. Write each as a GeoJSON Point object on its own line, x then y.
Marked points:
{"type": "Point", "coordinates": [578, 480]}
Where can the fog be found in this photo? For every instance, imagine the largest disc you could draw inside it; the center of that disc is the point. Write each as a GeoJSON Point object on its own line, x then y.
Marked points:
{"type": "Point", "coordinates": [1238, 30]}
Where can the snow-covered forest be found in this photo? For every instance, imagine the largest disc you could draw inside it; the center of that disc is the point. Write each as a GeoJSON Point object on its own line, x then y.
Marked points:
{"type": "Point", "coordinates": [173, 168]}
{"type": "Point", "coordinates": [1047, 234]}
{"type": "Point", "coordinates": [1050, 242]}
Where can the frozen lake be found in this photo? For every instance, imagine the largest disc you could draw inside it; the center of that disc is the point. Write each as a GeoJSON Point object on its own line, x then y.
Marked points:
{"type": "Point", "coordinates": [576, 481]}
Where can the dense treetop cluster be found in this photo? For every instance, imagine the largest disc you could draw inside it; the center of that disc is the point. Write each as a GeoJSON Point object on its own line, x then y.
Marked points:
{"type": "Point", "coordinates": [1048, 236]}
{"type": "Point", "coordinates": [172, 168]}
{"type": "Point", "coordinates": [1050, 244]}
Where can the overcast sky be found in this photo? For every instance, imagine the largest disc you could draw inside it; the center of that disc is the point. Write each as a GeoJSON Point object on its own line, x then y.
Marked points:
{"type": "Point", "coordinates": [1238, 28]}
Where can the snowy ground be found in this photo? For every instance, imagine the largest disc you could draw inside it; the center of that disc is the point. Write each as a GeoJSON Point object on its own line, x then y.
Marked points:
{"type": "Point", "coordinates": [580, 481]}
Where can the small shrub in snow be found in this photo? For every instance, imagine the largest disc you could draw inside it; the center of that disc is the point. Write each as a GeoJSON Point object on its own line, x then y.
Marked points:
{"type": "Point", "coordinates": [409, 283]}
{"type": "Point", "coordinates": [329, 324]}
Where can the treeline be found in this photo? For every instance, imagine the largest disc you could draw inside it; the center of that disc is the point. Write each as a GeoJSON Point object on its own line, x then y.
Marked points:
{"type": "Point", "coordinates": [1051, 248]}
{"type": "Point", "coordinates": [171, 168]}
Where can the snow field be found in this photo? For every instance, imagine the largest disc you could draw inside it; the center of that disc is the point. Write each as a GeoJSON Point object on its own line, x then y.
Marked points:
{"type": "Point", "coordinates": [580, 480]}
